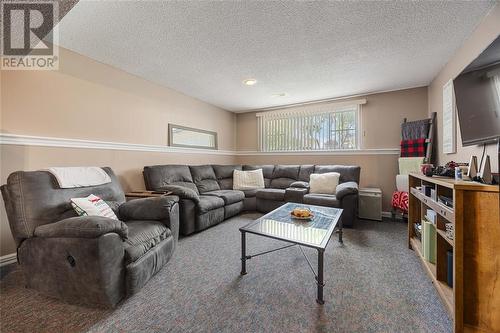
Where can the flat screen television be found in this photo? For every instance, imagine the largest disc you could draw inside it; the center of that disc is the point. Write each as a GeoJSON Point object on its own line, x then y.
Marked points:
{"type": "Point", "coordinates": [477, 95]}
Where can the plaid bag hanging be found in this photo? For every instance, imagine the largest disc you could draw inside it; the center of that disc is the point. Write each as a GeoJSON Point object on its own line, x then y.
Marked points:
{"type": "Point", "coordinates": [413, 148]}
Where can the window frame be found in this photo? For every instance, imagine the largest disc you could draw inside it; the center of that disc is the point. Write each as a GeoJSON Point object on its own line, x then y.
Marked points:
{"type": "Point", "coordinates": [304, 112]}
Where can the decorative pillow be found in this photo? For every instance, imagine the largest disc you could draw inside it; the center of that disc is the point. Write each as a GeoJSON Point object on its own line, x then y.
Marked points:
{"type": "Point", "coordinates": [92, 206]}
{"type": "Point", "coordinates": [248, 180]}
{"type": "Point", "coordinates": [324, 183]}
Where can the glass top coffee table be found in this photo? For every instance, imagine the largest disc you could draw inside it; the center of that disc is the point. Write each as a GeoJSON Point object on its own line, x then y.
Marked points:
{"type": "Point", "coordinates": [279, 224]}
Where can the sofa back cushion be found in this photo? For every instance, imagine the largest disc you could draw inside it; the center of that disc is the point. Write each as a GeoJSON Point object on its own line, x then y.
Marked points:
{"type": "Point", "coordinates": [305, 172]}
{"type": "Point", "coordinates": [157, 176]}
{"type": "Point", "coordinates": [348, 173]}
{"type": "Point", "coordinates": [204, 178]}
{"type": "Point", "coordinates": [224, 175]}
{"type": "Point", "coordinates": [267, 172]}
{"type": "Point", "coordinates": [284, 175]}
{"type": "Point", "coordinates": [34, 198]}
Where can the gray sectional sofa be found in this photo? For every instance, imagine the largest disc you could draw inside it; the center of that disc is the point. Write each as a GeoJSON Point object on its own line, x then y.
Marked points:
{"type": "Point", "coordinates": [87, 259]}
{"type": "Point", "coordinates": [207, 196]}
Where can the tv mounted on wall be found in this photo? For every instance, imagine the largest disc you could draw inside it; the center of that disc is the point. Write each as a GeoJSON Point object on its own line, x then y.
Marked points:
{"type": "Point", "coordinates": [477, 94]}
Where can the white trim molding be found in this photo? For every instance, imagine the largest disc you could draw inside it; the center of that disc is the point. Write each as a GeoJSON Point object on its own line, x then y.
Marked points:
{"type": "Point", "coordinates": [383, 151]}
{"type": "Point", "coordinates": [8, 259]}
{"type": "Point", "coordinates": [28, 140]}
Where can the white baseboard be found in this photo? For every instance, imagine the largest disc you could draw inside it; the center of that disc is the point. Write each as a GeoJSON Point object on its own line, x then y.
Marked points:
{"type": "Point", "coordinates": [386, 214]}
{"type": "Point", "coordinates": [8, 259]}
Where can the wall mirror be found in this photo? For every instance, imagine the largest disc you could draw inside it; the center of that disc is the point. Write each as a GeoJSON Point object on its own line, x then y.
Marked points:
{"type": "Point", "coordinates": [182, 136]}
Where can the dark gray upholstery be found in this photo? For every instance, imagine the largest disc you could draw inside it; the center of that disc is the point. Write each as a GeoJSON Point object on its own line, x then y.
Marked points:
{"type": "Point", "coordinates": [300, 184]}
{"type": "Point", "coordinates": [91, 260]}
{"type": "Point", "coordinates": [322, 200]}
{"type": "Point", "coordinates": [295, 194]}
{"type": "Point", "coordinates": [82, 227]}
{"type": "Point", "coordinates": [224, 175]}
{"type": "Point", "coordinates": [229, 196]}
{"type": "Point", "coordinates": [346, 188]}
{"type": "Point", "coordinates": [271, 194]}
{"type": "Point", "coordinates": [209, 218]}
{"type": "Point", "coordinates": [233, 209]}
{"type": "Point", "coordinates": [269, 199]}
{"type": "Point", "coordinates": [157, 176]}
{"type": "Point", "coordinates": [304, 172]}
{"type": "Point", "coordinates": [204, 178]}
{"type": "Point", "coordinates": [209, 202]}
{"type": "Point", "coordinates": [283, 183]}
{"type": "Point", "coordinates": [143, 236]}
{"type": "Point", "coordinates": [284, 175]}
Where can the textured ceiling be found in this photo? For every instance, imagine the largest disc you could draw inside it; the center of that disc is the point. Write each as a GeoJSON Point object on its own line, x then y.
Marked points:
{"type": "Point", "coordinates": [308, 50]}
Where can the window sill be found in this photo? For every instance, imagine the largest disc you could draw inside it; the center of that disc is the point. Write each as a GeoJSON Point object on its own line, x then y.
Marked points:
{"type": "Point", "coordinates": [381, 151]}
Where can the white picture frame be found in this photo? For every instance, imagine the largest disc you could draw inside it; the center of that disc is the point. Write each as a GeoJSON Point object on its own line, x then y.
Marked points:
{"type": "Point", "coordinates": [449, 119]}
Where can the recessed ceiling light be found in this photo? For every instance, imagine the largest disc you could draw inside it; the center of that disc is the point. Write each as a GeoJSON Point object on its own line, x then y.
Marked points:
{"type": "Point", "coordinates": [279, 95]}
{"type": "Point", "coordinates": [250, 82]}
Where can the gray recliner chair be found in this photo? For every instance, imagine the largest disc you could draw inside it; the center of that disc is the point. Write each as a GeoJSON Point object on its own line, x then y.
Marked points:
{"type": "Point", "coordinates": [87, 259]}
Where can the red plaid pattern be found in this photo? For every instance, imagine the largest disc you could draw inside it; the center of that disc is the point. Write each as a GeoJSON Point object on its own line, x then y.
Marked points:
{"type": "Point", "coordinates": [400, 201]}
{"type": "Point", "coordinates": [413, 148]}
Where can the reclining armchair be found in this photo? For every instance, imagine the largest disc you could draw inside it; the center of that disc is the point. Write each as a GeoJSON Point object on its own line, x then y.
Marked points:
{"type": "Point", "coordinates": [87, 259]}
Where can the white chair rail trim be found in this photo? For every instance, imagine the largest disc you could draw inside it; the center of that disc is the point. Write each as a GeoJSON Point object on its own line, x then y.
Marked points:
{"type": "Point", "coordinates": [28, 140]}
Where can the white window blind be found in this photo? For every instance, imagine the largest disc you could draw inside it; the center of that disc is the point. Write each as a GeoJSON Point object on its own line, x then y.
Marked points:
{"type": "Point", "coordinates": [328, 128]}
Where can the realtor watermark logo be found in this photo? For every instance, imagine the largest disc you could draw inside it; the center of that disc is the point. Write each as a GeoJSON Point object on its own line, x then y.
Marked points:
{"type": "Point", "coordinates": [26, 26]}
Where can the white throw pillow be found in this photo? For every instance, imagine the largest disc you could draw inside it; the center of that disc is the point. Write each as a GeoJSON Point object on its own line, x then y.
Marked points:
{"type": "Point", "coordinates": [324, 183]}
{"type": "Point", "coordinates": [92, 206]}
{"type": "Point", "coordinates": [248, 180]}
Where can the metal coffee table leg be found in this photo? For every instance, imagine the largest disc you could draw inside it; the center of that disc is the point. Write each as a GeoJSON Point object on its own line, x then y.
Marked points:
{"type": "Point", "coordinates": [243, 253]}
{"type": "Point", "coordinates": [319, 279]}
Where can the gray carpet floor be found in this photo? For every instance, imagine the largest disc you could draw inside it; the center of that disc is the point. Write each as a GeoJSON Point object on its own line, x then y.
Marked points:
{"type": "Point", "coordinates": [374, 283]}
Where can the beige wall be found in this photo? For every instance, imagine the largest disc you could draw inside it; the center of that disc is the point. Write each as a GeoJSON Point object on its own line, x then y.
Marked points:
{"type": "Point", "coordinates": [381, 119]}
{"type": "Point", "coordinates": [89, 100]}
{"type": "Point", "coordinates": [484, 34]}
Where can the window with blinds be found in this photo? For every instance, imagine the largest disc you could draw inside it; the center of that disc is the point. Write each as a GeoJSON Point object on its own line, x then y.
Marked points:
{"type": "Point", "coordinates": [334, 129]}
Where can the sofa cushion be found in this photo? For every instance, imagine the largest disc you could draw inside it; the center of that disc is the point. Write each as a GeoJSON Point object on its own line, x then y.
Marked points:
{"type": "Point", "coordinates": [229, 196]}
{"type": "Point", "coordinates": [300, 184]}
{"type": "Point", "coordinates": [284, 175]}
{"type": "Point", "coordinates": [224, 175]}
{"type": "Point", "coordinates": [209, 202]}
{"type": "Point", "coordinates": [305, 171]}
{"type": "Point", "coordinates": [282, 183]}
{"type": "Point", "coordinates": [157, 176]}
{"type": "Point", "coordinates": [267, 172]}
{"type": "Point", "coordinates": [204, 178]}
{"type": "Point", "coordinates": [327, 200]}
{"type": "Point", "coordinates": [142, 237]}
{"type": "Point", "coordinates": [286, 171]}
{"type": "Point", "coordinates": [271, 194]}
{"type": "Point", "coordinates": [348, 173]}
{"type": "Point", "coordinates": [250, 193]}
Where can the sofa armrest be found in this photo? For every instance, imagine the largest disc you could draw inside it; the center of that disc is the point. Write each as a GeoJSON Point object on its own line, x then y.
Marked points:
{"type": "Point", "coordinates": [182, 192]}
{"type": "Point", "coordinates": [154, 208]}
{"type": "Point", "coordinates": [82, 227]}
{"type": "Point", "coordinates": [300, 184]}
{"type": "Point", "coordinates": [346, 188]}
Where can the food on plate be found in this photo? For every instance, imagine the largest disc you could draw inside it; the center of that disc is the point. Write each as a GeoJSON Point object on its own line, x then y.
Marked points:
{"type": "Point", "coordinates": [302, 212]}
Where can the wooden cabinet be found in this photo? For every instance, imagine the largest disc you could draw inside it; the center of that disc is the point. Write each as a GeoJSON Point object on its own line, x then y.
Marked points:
{"type": "Point", "coordinates": [474, 300]}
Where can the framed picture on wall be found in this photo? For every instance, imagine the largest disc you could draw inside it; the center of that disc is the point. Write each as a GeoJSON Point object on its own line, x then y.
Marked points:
{"type": "Point", "coordinates": [449, 119]}
{"type": "Point", "coordinates": [188, 137]}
